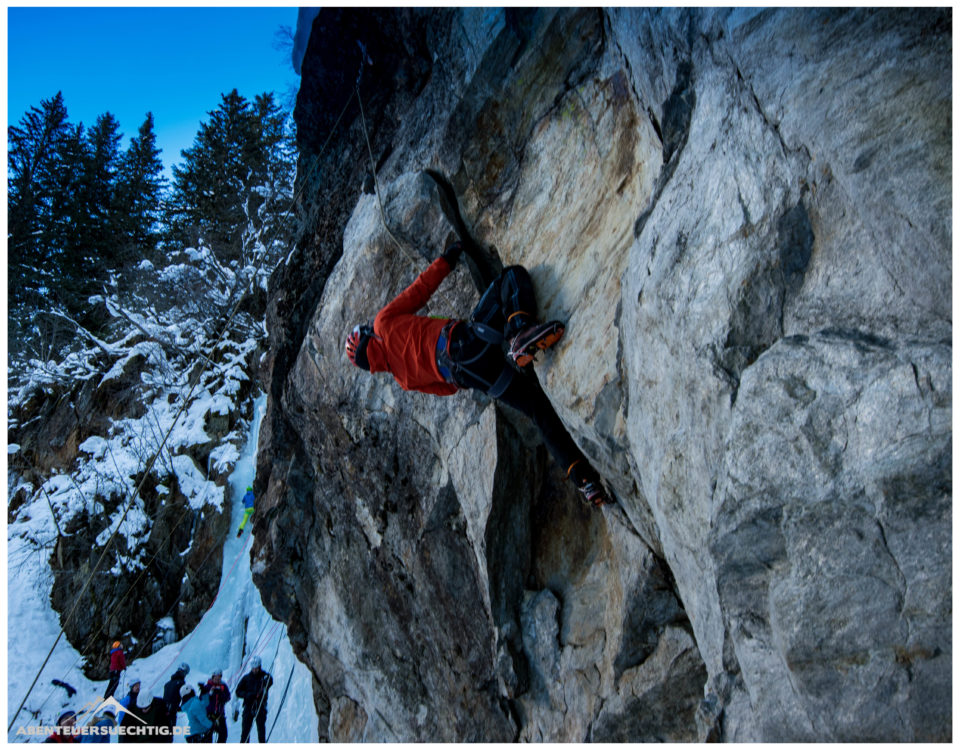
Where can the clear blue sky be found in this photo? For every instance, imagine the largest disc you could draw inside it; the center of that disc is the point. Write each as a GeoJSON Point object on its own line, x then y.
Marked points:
{"type": "Point", "coordinates": [174, 62]}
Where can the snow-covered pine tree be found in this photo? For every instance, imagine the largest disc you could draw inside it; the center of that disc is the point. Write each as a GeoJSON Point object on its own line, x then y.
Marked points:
{"type": "Point", "coordinates": [137, 199]}
{"type": "Point", "coordinates": [239, 161]}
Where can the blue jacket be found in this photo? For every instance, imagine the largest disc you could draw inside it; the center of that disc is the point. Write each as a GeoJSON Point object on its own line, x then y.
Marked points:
{"type": "Point", "coordinates": [127, 700]}
{"type": "Point", "coordinates": [248, 500]}
{"type": "Point", "coordinates": [196, 711]}
{"type": "Point", "coordinates": [105, 722]}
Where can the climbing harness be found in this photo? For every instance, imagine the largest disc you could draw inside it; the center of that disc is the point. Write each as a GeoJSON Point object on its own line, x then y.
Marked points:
{"type": "Point", "coordinates": [450, 366]}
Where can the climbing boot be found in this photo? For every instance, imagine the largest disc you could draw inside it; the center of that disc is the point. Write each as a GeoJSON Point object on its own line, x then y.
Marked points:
{"type": "Point", "coordinates": [593, 494]}
{"type": "Point", "coordinates": [525, 345]}
{"type": "Point", "coordinates": [588, 484]}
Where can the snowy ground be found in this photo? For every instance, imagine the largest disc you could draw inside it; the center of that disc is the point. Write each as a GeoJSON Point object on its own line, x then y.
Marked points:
{"type": "Point", "coordinates": [234, 629]}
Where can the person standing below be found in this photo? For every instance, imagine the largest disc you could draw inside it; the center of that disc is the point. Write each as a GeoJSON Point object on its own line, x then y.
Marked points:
{"type": "Point", "coordinates": [100, 725]}
{"type": "Point", "coordinates": [153, 711]}
{"type": "Point", "coordinates": [199, 725]}
{"type": "Point", "coordinates": [247, 510]}
{"type": "Point", "coordinates": [118, 663]}
{"type": "Point", "coordinates": [253, 689]}
{"type": "Point", "coordinates": [65, 728]}
{"type": "Point", "coordinates": [129, 702]}
{"type": "Point", "coordinates": [171, 694]}
{"type": "Point", "coordinates": [219, 697]}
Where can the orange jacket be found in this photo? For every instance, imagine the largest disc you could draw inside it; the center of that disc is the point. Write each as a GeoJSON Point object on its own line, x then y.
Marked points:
{"type": "Point", "coordinates": [406, 344]}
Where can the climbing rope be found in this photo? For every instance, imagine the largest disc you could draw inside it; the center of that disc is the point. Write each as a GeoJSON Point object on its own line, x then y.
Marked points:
{"type": "Point", "coordinates": [93, 638]}
{"type": "Point", "coordinates": [383, 216]}
{"type": "Point", "coordinates": [283, 697]}
{"type": "Point", "coordinates": [136, 493]}
{"type": "Point", "coordinates": [235, 677]}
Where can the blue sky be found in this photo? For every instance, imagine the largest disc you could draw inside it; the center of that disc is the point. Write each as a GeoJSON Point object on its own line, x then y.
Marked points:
{"type": "Point", "coordinates": [174, 62]}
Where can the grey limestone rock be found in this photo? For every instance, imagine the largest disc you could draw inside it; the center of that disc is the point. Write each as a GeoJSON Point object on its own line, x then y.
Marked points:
{"type": "Point", "coordinates": [744, 219]}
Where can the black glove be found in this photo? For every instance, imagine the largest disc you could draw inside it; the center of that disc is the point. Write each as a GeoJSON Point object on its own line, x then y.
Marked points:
{"type": "Point", "coordinates": [452, 253]}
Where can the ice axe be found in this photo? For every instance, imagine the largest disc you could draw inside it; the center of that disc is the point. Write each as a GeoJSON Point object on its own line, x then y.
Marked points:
{"type": "Point", "coordinates": [484, 266]}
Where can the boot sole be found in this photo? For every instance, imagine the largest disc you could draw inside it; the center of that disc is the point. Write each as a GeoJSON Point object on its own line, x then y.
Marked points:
{"type": "Point", "coordinates": [543, 344]}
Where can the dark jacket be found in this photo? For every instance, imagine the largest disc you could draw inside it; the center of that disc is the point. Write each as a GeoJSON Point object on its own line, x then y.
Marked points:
{"type": "Point", "coordinates": [171, 692]}
{"type": "Point", "coordinates": [125, 720]}
{"type": "Point", "coordinates": [219, 696]}
{"type": "Point", "coordinates": [253, 689]}
{"type": "Point", "coordinates": [154, 715]}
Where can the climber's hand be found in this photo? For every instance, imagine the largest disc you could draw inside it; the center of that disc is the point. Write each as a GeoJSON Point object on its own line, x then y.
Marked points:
{"type": "Point", "coordinates": [452, 253]}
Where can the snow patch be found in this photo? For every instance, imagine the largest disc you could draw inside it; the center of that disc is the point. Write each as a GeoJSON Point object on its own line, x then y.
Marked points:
{"type": "Point", "coordinates": [198, 490]}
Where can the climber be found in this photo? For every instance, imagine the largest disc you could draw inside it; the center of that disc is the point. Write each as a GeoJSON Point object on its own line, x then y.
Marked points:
{"type": "Point", "coordinates": [219, 697]}
{"type": "Point", "coordinates": [171, 693]}
{"type": "Point", "coordinates": [199, 724]}
{"type": "Point", "coordinates": [118, 663]}
{"type": "Point", "coordinates": [253, 688]}
{"type": "Point", "coordinates": [247, 510]}
{"type": "Point", "coordinates": [440, 356]}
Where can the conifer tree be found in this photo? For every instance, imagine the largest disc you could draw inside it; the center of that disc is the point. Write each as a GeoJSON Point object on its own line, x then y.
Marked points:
{"type": "Point", "coordinates": [139, 191]}
{"type": "Point", "coordinates": [60, 229]}
{"type": "Point", "coordinates": [34, 161]}
{"type": "Point", "coordinates": [235, 158]}
{"type": "Point", "coordinates": [98, 247]}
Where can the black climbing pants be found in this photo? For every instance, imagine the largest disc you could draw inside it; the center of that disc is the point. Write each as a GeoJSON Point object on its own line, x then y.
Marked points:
{"type": "Point", "coordinates": [483, 362]}
{"type": "Point", "coordinates": [220, 727]}
{"type": "Point", "coordinates": [247, 723]}
{"type": "Point", "coordinates": [112, 685]}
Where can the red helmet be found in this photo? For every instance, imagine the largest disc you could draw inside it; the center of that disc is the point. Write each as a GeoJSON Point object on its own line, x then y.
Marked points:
{"type": "Point", "coordinates": [357, 345]}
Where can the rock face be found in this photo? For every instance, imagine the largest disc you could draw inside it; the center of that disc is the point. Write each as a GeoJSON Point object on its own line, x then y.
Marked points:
{"type": "Point", "coordinates": [744, 218]}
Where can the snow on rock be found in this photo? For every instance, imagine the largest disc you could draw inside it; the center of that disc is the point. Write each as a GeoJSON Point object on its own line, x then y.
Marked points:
{"type": "Point", "coordinates": [112, 453]}
{"type": "Point", "coordinates": [198, 490]}
{"type": "Point", "coordinates": [233, 630]}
